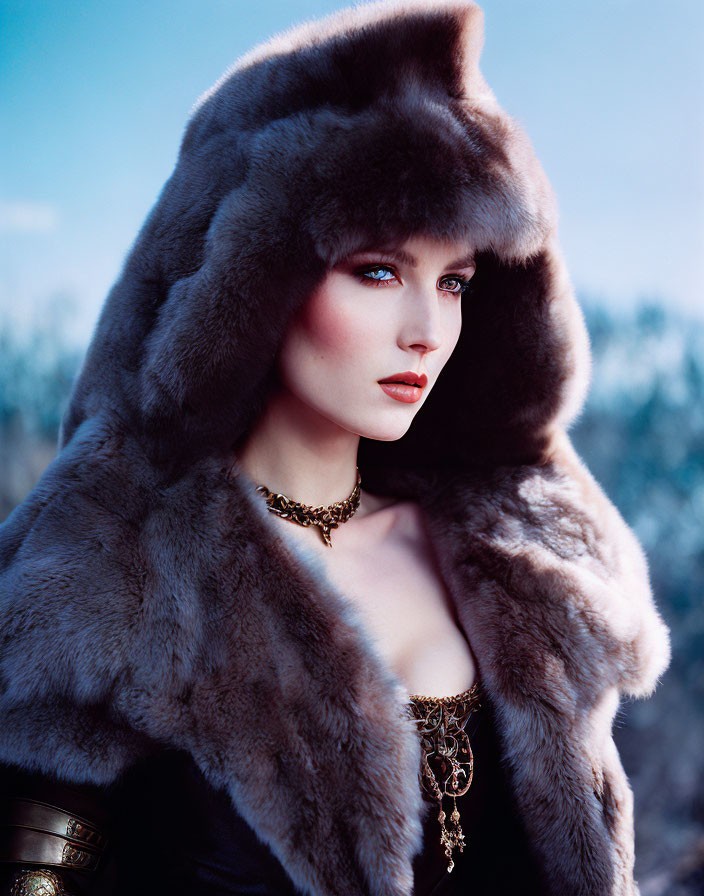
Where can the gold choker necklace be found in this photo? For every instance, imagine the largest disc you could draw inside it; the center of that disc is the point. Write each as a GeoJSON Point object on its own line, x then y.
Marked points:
{"type": "Point", "coordinates": [325, 517]}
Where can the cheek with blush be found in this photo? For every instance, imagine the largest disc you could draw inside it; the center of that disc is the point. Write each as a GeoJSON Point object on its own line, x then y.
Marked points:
{"type": "Point", "coordinates": [333, 328]}
{"type": "Point", "coordinates": [328, 349]}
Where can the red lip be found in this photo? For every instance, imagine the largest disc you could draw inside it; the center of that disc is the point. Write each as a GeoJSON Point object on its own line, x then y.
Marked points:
{"type": "Point", "coordinates": [408, 376]}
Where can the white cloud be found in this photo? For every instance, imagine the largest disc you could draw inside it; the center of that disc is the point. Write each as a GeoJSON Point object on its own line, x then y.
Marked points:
{"type": "Point", "coordinates": [28, 217]}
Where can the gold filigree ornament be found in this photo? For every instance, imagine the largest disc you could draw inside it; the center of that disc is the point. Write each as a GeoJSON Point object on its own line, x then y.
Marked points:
{"type": "Point", "coordinates": [37, 882]}
{"type": "Point", "coordinates": [325, 517]}
{"type": "Point", "coordinates": [447, 763]}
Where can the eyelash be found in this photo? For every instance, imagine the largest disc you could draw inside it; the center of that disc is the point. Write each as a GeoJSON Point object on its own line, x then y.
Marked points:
{"type": "Point", "coordinates": [466, 285]}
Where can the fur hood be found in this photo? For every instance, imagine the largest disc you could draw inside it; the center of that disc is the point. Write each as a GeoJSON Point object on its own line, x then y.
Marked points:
{"type": "Point", "coordinates": [148, 601]}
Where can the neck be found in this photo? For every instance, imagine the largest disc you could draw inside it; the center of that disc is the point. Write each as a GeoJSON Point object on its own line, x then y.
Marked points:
{"type": "Point", "coordinates": [299, 453]}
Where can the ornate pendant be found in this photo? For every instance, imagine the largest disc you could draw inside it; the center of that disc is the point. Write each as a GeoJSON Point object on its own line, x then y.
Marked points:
{"type": "Point", "coordinates": [447, 763]}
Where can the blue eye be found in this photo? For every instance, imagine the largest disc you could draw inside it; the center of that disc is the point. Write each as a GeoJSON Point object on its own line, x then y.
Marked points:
{"type": "Point", "coordinates": [372, 270]}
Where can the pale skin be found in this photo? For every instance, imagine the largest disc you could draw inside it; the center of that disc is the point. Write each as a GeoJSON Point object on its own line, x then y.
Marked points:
{"type": "Point", "coordinates": [375, 314]}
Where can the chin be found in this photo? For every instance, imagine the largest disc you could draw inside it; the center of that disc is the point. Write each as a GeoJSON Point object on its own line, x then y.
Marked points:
{"type": "Point", "coordinates": [388, 431]}
{"type": "Point", "coordinates": [382, 425]}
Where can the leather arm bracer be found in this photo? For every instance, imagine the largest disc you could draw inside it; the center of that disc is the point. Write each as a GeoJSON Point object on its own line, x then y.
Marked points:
{"type": "Point", "coordinates": [47, 848]}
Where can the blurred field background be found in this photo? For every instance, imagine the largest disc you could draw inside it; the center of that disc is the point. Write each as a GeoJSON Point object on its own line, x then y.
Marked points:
{"type": "Point", "coordinates": [93, 102]}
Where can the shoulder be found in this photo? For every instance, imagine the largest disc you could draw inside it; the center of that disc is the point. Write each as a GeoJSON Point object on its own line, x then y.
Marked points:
{"type": "Point", "coordinates": [102, 621]}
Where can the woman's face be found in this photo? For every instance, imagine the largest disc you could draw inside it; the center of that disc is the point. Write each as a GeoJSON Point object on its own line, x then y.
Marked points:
{"type": "Point", "coordinates": [377, 314]}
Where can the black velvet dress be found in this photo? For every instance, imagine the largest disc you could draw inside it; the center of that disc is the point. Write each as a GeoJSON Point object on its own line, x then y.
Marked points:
{"type": "Point", "coordinates": [495, 858]}
{"type": "Point", "coordinates": [171, 832]}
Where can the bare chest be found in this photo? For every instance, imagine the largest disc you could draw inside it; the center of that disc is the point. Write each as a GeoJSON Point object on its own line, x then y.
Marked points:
{"type": "Point", "coordinates": [405, 607]}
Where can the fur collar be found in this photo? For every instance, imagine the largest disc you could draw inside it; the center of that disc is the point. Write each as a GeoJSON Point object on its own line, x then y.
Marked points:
{"type": "Point", "coordinates": [124, 631]}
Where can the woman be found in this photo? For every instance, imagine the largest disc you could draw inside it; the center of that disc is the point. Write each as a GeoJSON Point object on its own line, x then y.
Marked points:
{"type": "Point", "coordinates": [212, 684]}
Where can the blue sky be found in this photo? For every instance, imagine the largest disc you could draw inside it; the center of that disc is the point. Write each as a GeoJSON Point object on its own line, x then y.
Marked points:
{"type": "Point", "coordinates": [95, 97]}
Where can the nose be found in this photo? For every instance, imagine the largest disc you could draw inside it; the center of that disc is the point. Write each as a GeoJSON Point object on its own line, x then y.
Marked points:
{"type": "Point", "coordinates": [422, 326]}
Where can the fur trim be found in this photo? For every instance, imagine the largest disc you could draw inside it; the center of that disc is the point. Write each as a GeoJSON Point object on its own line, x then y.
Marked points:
{"type": "Point", "coordinates": [146, 599]}
{"type": "Point", "coordinates": [125, 631]}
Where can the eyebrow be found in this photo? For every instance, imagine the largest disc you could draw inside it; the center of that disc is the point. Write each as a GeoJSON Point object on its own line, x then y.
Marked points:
{"type": "Point", "coordinates": [403, 257]}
